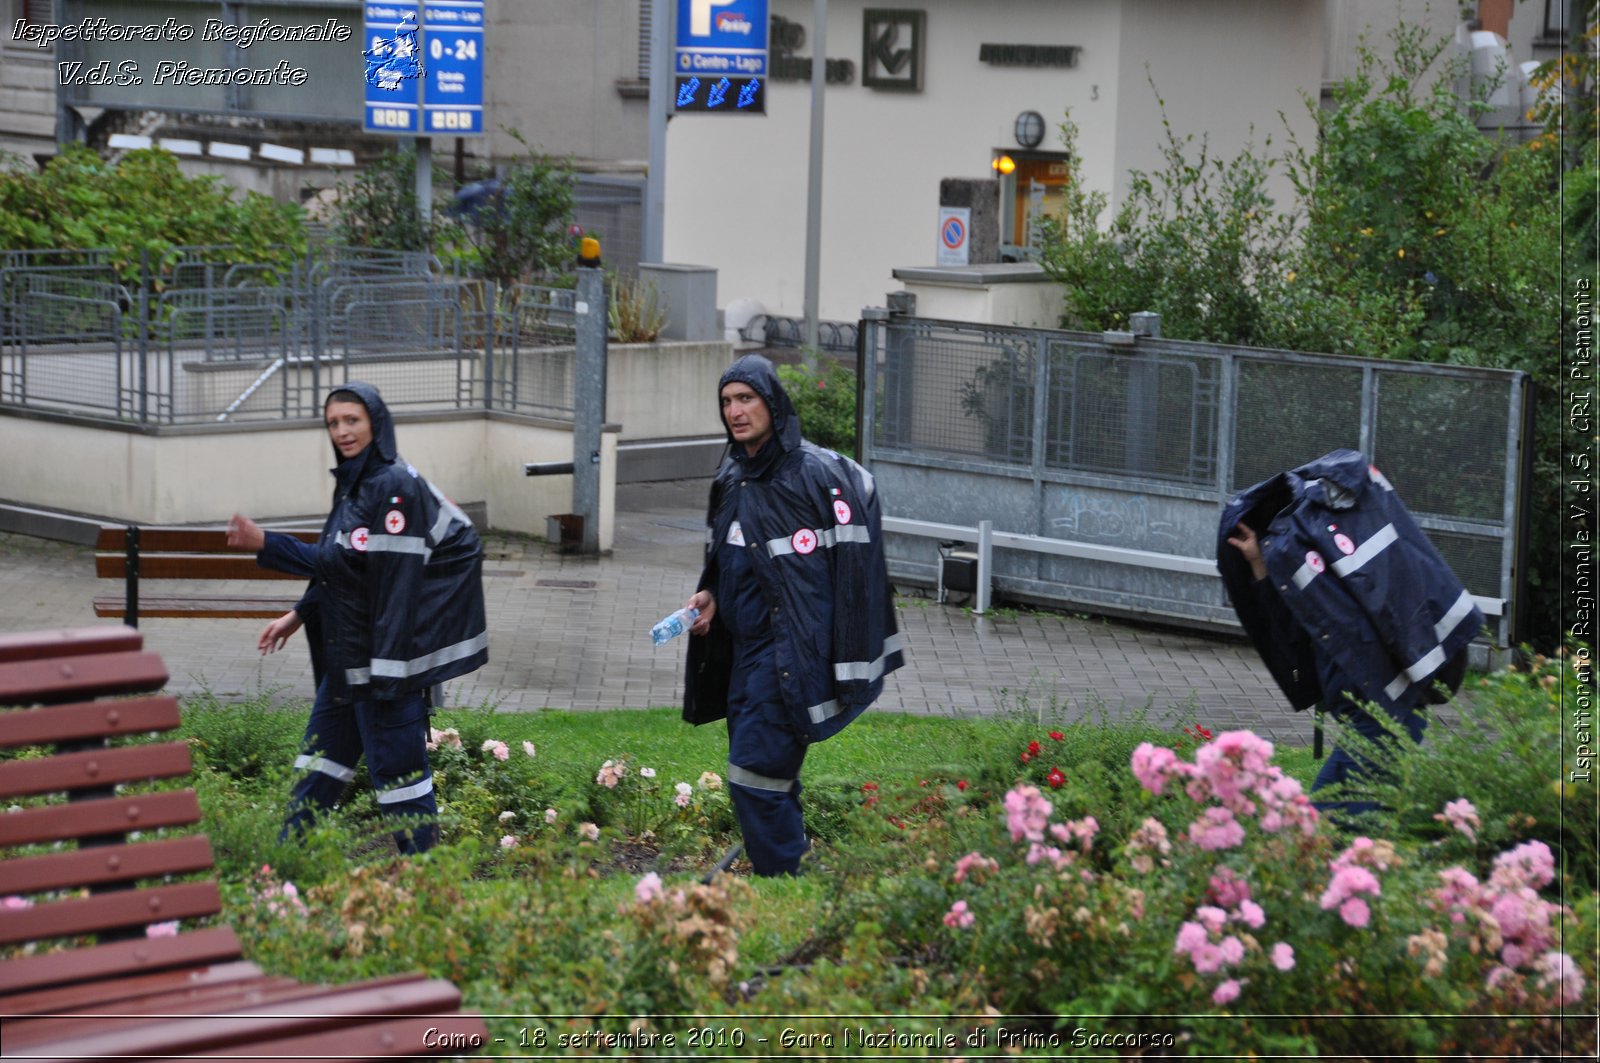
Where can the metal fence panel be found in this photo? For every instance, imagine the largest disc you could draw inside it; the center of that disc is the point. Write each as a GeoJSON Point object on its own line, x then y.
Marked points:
{"type": "Point", "coordinates": [1104, 441]}
{"type": "Point", "coordinates": [206, 334]}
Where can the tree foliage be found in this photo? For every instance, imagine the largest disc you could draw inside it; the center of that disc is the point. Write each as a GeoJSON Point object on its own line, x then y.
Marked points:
{"type": "Point", "coordinates": [1413, 236]}
{"type": "Point", "coordinates": [522, 236]}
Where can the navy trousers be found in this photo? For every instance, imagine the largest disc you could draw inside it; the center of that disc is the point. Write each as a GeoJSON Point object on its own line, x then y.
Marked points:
{"type": "Point", "coordinates": [393, 735]}
{"type": "Point", "coordinates": [1342, 765]}
{"type": "Point", "coordinates": [764, 758]}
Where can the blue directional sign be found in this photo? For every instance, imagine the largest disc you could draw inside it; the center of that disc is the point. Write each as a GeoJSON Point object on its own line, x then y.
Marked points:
{"type": "Point", "coordinates": [452, 46]}
{"type": "Point", "coordinates": [424, 67]}
{"type": "Point", "coordinates": [393, 68]}
{"type": "Point", "coordinates": [720, 61]}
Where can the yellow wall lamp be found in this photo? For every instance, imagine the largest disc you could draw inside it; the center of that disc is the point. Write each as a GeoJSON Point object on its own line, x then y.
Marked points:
{"type": "Point", "coordinates": [1003, 165]}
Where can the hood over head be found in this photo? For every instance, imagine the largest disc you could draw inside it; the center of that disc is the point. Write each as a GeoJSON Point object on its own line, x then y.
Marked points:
{"type": "Point", "coordinates": [382, 424]}
{"type": "Point", "coordinates": [762, 377]}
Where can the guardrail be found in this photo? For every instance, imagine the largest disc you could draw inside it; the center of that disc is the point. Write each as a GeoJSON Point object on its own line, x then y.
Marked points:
{"type": "Point", "coordinates": [988, 541]}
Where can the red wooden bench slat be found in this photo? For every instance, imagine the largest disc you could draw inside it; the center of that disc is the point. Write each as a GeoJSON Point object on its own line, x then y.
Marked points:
{"type": "Point", "coordinates": [187, 566]}
{"type": "Point", "coordinates": [182, 539]}
{"type": "Point", "coordinates": [102, 864]}
{"type": "Point", "coordinates": [93, 768]}
{"type": "Point", "coordinates": [339, 1009]}
{"type": "Point", "coordinates": [67, 642]}
{"type": "Point", "coordinates": [372, 1041]}
{"type": "Point", "coordinates": [113, 993]}
{"type": "Point", "coordinates": [253, 995]}
{"type": "Point", "coordinates": [87, 819]}
{"type": "Point", "coordinates": [137, 956]}
{"type": "Point", "coordinates": [207, 608]}
{"type": "Point", "coordinates": [109, 911]}
{"type": "Point", "coordinates": [89, 719]}
{"type": "Point", "coordinates": [94, 675]}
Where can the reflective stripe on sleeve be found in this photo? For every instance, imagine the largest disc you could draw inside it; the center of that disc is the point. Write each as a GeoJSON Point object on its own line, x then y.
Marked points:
{"type": "Point", "coordinates": [1368, 550]}
{"type": "Point", "coordinates": [841, 533]}
{"type": "Point", "coordinates": [1452, 619]}
{"type": "Point", "coordinates": [824, 711]}
{"type": "Point", "coordinates": [1304, 575]}
{"type": "Point", "coordinates": [868, 670]}
{"type": "Point", "coordinates": [399, 544]}
{"type": "Point", "coordinates": [392, 669]}
{"type": "Point", "coordinates": [306, 762]}
{"type": "Point", "coordinates": [746, 777]}
{"type": "Point", "coordinates": [449, 512]}
{"type": "Point", "coordinates": [406, 793]}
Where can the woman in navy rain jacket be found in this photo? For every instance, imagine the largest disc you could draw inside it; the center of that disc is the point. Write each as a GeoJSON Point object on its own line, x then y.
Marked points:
{"type": "Point", "coordinates": [396, 600]}
{"type": "Point", "coordinates": [796, 627]}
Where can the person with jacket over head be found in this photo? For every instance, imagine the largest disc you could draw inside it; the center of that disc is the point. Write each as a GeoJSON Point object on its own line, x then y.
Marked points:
{"type": "Point", "coordinates": [1346, 600]}
{"type": "Point", "coordinates": [396, 601]}
{"type": "Point", "coordinates": [796, 628]}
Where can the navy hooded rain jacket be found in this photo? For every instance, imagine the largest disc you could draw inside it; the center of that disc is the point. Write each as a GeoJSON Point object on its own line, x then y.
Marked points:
{"type": "Point", "coordinates": [397, 576]}
{"type": "Point", "coordinates": [812, 520]}
{"type": "Point", "coordinates": [1356, 582]}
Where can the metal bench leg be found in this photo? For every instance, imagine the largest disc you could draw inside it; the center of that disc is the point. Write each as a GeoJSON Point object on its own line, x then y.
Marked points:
{"type": "Point", "coordinates": [131, 595]}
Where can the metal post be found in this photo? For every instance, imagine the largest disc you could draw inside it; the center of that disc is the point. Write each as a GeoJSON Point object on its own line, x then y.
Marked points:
{"type": "Point", "coordinates": [424, 150]}
{"type": "Point", "coordinates": [589, 402]}
{"type": "Point", "coordinates": [663, 19]}
{"type": "Point", "coordinates": [819, 75]}
{"type": "Point", "coordinates": [985, 565]}
{"type": "Point", "coordinates": [130, 575]}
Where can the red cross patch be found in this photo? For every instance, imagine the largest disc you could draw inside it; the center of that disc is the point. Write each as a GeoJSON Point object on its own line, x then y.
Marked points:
{"type": "Point", "coordinates": [1342, 541]}
{"type": "Point", "coordinates": [804, 541]}
{"type": "Point", "coordinates": [358, 540]}
{"type": "Point", "coordinates": [394, 522]}
{"type": "Point", "coordinates": [841, 511]}
{"type": "Point", "coordinates": [1313, 561]}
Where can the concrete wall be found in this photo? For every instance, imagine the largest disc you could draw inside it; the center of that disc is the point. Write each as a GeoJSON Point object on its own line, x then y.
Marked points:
{"type": "Point", "coordinates": [27, 96]}
{"type": "Point", "coordinates": [185, 476]}
{"type": "Point", "coordinates": [885, 152]}
{"type": "Point", "coordinates": [566, 75]}
{"type": "Point", "coordinates": [665, 390]}
{"type": "Point", "coordinates": [1016, 293]}
{"type": "Point", "coordinates": [1230, 72]}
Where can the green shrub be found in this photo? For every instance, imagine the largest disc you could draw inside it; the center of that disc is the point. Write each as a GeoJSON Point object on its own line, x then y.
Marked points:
{"type": "Point", "coordinates": [601, 929]}
{"type": "Point", "coordinates": [141, 207]}
{"type": "Point", "coordinates": [826, 403]}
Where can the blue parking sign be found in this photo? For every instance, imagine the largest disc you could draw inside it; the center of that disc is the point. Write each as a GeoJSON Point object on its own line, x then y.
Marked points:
{"type": "Point", "coordinates": [720, 60]}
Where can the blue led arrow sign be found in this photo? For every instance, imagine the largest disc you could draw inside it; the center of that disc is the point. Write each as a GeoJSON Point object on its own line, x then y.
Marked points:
{"type": "Point", "coordinates": [721, 39]}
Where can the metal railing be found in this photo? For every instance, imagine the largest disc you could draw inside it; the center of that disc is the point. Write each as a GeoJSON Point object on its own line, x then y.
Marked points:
{"type": "Point", "coordinates": [207, 334]}
{"type": "Point", "coordinates": [1103, 461]}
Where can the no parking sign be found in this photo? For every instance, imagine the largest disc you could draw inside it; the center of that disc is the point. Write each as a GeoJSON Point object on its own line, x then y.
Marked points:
{"type": "Point", "coordinates": [955, 227]}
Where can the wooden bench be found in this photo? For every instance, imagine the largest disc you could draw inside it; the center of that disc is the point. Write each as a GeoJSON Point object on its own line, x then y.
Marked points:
{"type": "Point", "coordinates": [131, 553]}
{"type": "Point", "coordinates": [128, 994]}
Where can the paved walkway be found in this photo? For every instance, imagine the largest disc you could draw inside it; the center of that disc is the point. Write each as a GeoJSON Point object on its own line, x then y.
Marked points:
{"type": "Point", "coordinates": [573, 633]}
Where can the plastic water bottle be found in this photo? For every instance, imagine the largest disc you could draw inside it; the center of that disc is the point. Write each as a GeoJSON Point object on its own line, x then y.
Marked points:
{"type": "Point", "coordinates": [670, 627]}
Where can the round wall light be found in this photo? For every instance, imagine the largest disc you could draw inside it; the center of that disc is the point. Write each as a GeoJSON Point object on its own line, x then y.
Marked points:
{"type": "Point", "coordinates": [1029, 129]}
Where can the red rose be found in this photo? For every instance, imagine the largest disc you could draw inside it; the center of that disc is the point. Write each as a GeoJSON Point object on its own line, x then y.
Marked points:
{"type": "Point", "coordinates": [962, 785]}
{"type": "Point", "coordinates": [1057, 735]}
{"type": "Point", "coordinates": [1055, 778]}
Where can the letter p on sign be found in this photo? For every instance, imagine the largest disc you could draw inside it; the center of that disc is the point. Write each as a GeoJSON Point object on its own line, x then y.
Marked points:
{"type": "Point", "coordinates": [700, 16]}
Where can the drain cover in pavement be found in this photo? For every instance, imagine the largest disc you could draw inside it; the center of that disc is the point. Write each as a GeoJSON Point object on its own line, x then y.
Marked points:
{"type": "Point", "coordinates": [566, 584]}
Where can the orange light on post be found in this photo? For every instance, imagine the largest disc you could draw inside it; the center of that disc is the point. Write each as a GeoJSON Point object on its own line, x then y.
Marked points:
{"type": "Point", "coordinates": [589, 252]}
{"type": "Point", "coordinates": [1004, 165]}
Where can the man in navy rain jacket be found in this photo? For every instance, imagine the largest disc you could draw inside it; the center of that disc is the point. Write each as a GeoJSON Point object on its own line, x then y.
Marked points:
{"type": "Point", "coordinates": [1345, 597]}
{"type": "Point", "coordinates": [396, 601]}
{"type": "Point", "coordinates": [797, 626]}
